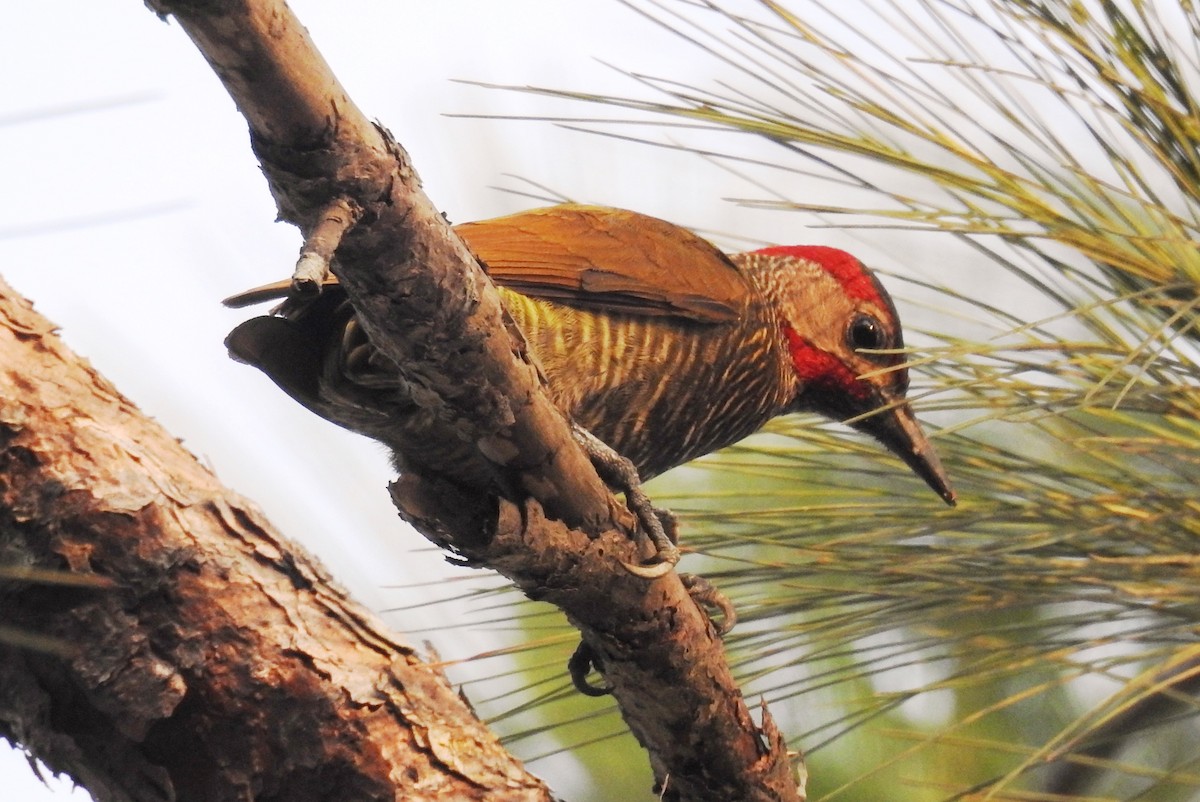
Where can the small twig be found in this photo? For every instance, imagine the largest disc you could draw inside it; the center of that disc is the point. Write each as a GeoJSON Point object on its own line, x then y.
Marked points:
{"type": "Point", "coordinates": [312, 268]}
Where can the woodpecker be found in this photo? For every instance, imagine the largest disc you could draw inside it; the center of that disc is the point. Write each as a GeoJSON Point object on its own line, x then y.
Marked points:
{"type": "Point", "coordinates": [649, 337]}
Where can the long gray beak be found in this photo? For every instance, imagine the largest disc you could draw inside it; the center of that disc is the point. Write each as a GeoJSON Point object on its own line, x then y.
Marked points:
{"type": "Point", "coordinates": [898, 429]}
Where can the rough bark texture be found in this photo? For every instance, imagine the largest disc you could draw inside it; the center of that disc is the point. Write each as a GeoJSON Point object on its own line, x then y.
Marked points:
{"type": "Point", "coordinates": [420, 294]}
{"type": "Point", "coordinates": [223, 664]}
{"type": "Point", "coordinates": [428, 305]}
{"type": "Point", "coordinates": [659, 651]}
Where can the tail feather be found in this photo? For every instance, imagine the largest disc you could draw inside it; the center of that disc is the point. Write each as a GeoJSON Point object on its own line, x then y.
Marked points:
{"type": "Point", "coordinates": [288, 353]}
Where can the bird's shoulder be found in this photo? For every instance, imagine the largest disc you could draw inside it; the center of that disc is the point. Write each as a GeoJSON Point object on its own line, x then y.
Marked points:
{"type": "Point", "coordinates": [609, 260]}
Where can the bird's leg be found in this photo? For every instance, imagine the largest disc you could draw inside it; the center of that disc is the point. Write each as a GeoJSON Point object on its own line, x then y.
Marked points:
{"type": "Point", "coordinates": [620, 473]}
{"type": "Point", "coordinates": [580, 665]}
{"type": "Point", "coordinates": [669, 523]}
{"type": "Point", "coordinates": [662, 528]}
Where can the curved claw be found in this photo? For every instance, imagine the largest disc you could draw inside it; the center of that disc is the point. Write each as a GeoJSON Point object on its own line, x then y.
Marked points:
{"type": "Point", "coordinates": [663, 563]}
{"type": "Point", "coordinates": [582, 661]}
{"type": "Point", "coordinates": [657, 525]}
{"type": "Point", "coordinates": [706, 595]}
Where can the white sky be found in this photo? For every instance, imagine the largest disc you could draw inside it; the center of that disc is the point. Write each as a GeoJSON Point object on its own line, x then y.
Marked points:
{"type": "Point", "coordinates": [181, 218]}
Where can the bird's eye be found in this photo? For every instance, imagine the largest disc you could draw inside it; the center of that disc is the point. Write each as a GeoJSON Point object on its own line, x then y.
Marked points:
{"type": "Point", "coordinates": [866, 333]}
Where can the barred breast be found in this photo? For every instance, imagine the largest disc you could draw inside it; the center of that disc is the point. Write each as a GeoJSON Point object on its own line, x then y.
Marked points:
{"type": "Point", "coordinates": [660, 391]}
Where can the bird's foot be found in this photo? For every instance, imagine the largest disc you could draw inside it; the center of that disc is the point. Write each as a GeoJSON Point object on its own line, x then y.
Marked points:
{"type": "Point", "coordinates": [580, 665]}
{"type": "Point", "coordinates": [658, 525]}
{"type": "Point", "coordinates": [710, 600]}
{"type": "Point", "coordinates": [584, 660]}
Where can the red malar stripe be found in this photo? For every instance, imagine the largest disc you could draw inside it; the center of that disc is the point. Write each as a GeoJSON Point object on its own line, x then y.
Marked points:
{"type": "Point", "coordinates": [821, 369]}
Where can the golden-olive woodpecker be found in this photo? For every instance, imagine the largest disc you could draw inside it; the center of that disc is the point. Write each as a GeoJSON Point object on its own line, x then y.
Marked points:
{"type": "Point", "coordinates": [649, 337]}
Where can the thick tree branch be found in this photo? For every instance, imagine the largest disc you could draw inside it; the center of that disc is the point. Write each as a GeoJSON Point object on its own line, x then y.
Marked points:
{"type": "Point", "coordinates": [420, 294]}
{"type": "Point", "coordinates": [223, 664]}
{"type": "Point", "coordinates": [426, 303]}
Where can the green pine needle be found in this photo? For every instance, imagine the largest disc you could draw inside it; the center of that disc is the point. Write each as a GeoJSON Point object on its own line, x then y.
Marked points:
{"type": "Point", "coordinates": [1040, 641]}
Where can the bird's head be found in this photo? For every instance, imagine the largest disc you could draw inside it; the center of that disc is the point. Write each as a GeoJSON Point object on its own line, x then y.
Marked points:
{"type": "Point", "coordinates": [842, 336]}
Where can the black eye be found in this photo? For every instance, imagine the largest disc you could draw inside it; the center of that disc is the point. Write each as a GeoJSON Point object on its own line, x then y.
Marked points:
{"type": "Point", "coordinates": [866, 333]}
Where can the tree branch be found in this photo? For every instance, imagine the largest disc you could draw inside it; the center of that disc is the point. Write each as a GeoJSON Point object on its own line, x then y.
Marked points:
{"type": "Point", "coordinates": [418, 290]}
{"type": "Point", "coordinates": [224, 664]}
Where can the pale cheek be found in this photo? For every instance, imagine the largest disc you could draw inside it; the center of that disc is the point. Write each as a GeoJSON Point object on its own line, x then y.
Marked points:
{"type": "Point", "coordinates": [820, 305]}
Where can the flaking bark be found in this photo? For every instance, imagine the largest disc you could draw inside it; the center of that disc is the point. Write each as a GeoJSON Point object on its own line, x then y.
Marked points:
{"type": "Point", "coordinates": [223, 663]}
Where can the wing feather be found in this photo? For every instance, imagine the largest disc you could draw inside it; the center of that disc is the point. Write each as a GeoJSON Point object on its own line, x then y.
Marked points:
{"type": "Point", "coordinates": [609, 259]}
